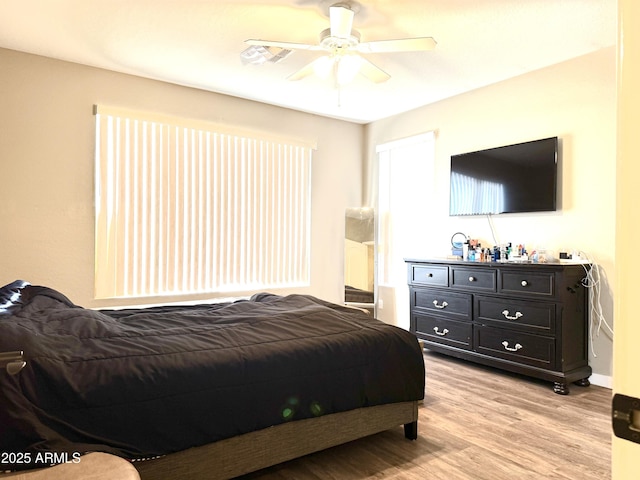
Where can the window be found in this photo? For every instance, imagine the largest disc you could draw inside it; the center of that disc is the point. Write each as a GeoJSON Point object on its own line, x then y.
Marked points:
{"type": "Point", "coordinates": [405, 184]}
{"type": "Point", "coordinates": [188, 207]}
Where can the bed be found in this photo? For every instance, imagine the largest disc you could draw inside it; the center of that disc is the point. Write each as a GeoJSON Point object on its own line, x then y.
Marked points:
{"type": "Point", "coordinates": [202, 391]}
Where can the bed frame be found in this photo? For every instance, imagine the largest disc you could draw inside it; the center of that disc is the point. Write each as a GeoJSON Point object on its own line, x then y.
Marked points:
{"type": "Point", "coordinates": [263, 448]}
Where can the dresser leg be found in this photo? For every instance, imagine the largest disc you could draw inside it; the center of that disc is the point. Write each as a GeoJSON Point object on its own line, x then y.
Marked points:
{"type": "Point", "coordinates": [560, 388]}
{"type": "Point", "coordinates": [583, 382]}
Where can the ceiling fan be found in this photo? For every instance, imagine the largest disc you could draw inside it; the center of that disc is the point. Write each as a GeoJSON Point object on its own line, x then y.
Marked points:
{"type": "Point", "coordinates": [343, 48]}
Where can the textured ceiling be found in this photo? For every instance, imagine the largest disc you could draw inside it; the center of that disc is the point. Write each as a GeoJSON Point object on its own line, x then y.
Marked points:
{"type": "Point", "coordinates": [197, 43]}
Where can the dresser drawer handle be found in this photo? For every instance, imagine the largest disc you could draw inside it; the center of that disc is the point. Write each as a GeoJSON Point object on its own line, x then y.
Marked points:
{"type": "Point", "coordinates": [442, 305]}
{"type": "Point", "coordinates": [441, 333]}
{"type": "Point", "coordinates": [506, 346]}
{"type": "Point", "coordinates": [510, 317]}
{"type": "Point", "coordinates": [524, 283]}
{"type": "Point", "coordinates": [472, 279]}
{"type": "Point", "coordinates": [429, 275]}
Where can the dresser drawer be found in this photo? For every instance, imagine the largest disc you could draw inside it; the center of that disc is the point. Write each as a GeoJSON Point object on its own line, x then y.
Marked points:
{"type": "Point", "coordinates": [440, 330]}
{"type": "Point", "coordinates": [525, 348]}
{"type": "Point", "coordinates": [527, 283]}
{"type": "Point", "coordinates": [516, 314]}
{"type": "Point", "coordinates": [442, 303]}
{"type": "Point", "coordinates": [435, 275]}
{"type": "Point", "coordinates": [477, 279]}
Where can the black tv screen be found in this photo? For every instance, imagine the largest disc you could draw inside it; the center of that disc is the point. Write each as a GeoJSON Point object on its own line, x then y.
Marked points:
{"type": "Point", "coordinates": [509, 179]}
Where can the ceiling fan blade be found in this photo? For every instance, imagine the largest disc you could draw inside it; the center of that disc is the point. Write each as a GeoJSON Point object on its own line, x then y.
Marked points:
{"type": "Point", "coordinates": [373, 72]}
{"type": "Point", "coordinates": [341, 21]}
{"type": "Point", "coordinates": [286, 45]}
{"type": "Point", "coordinates": [401, 45]}
{"type": "Point", "coordinates": [309, 69]}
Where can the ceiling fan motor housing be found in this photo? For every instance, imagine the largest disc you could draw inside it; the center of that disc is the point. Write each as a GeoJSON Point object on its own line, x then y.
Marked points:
{"type": "Point", "coordinates": [329, 42]}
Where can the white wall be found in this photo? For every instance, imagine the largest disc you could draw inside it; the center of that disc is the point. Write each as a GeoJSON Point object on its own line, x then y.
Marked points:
{"type": "Point", "coordinates": [575, 101]}
{"type": "Point", "coordinates": [46, 155]}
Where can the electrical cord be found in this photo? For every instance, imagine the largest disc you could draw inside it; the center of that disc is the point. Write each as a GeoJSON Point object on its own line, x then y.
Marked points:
{"type": "Point", "coordinates": [592, 282]}
{"type": "Point", "coordinates": [493, 233]}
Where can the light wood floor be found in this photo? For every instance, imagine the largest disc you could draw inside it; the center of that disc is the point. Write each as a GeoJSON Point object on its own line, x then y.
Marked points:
{"type": "Point", "coordinates": [477, 423]}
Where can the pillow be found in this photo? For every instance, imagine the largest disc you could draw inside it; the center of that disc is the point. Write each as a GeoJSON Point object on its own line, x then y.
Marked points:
{"type": "Point", "coordinates": [10, 295]}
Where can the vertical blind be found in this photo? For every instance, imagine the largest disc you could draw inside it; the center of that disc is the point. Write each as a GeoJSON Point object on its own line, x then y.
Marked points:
{"type": "Point", "coordinates": [185, 207]}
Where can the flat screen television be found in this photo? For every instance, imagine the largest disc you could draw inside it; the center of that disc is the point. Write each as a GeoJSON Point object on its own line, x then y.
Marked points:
{"type": "Point", "coordinates": [509, 179]}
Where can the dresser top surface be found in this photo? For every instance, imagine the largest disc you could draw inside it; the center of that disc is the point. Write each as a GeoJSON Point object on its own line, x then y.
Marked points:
{"type": "Point", "coordinates": [514, 265]}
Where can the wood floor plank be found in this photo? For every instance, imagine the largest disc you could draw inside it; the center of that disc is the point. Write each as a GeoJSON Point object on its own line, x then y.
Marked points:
{"type": "Point", "coordinates": [477, 423]}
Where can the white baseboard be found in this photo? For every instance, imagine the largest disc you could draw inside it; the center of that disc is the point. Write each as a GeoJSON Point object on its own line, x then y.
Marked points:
{"type": "Point", "coordinates": [601, 380]}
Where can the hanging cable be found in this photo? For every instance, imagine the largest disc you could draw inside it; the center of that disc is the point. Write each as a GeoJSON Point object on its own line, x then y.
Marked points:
{"type": "Point", "coordinates": [592, 281]}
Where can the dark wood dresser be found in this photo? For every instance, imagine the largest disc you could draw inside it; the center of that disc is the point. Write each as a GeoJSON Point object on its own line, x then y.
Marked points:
{"type": "Point", "coordinates": [527, 318]}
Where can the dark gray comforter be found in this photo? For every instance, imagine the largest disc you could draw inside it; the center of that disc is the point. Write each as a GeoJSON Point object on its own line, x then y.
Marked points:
{"type": "Point", "coordinates": [147, 382]}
